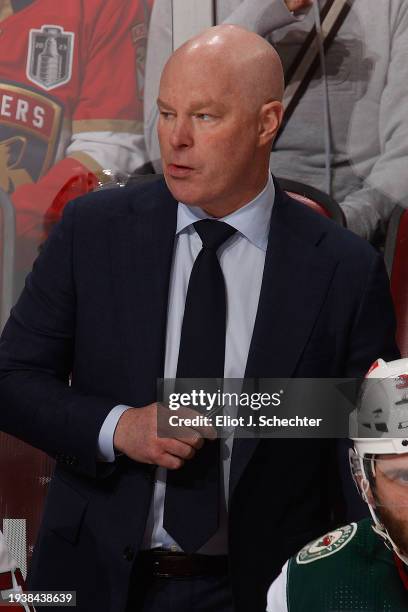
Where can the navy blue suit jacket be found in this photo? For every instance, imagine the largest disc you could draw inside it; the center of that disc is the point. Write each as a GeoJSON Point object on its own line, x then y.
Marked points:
{"type": "Point", "coordinates": [95, 307]}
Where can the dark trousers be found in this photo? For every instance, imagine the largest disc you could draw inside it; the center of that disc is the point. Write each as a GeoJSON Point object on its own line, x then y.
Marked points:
{"type": "Point", "coordinates": [203, 594]}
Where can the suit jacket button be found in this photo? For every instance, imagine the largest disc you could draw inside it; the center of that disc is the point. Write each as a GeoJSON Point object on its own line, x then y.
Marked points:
{"type": "Point", "coordinates": [128, 553]}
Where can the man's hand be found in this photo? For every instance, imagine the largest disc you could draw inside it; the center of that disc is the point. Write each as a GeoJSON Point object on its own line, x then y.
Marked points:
{"type": "Point", "coordinates": [298, 5]}
{"type": "Point", "coordinates": [136, 437]}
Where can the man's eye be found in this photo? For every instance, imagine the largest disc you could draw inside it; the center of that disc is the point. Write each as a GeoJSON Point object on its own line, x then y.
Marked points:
{"type": "Point", "coordinates": [399, 476]}
{"type": "Point", "coordinates": [403, 477]}
{"type": "Point", "coordinates": [203, 116]}
{"type": "Point", "coordinates": [165, 114]}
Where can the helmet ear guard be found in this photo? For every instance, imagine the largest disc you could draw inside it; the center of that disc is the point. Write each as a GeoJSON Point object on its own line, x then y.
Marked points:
{"type": "Point", "coordinates": [360, 478]}
{"type": "Point", "coordinates": [365, 488]}
{"type": "Point", "coordinates": [356, 471]}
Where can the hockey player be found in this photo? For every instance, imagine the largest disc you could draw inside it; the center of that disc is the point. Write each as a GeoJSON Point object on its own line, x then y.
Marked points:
{"type": "Point", "coordinates": [351, 568]}
{"type": "Point", "coordinates": [70, 102]}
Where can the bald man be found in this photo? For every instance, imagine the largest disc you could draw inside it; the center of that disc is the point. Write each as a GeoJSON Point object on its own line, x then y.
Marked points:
{"type": "Point", "coordinates": [210, 270]}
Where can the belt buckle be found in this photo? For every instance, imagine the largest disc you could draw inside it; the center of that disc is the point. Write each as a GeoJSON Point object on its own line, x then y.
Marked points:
{"type": "Point", "coordinates": [156, 570]}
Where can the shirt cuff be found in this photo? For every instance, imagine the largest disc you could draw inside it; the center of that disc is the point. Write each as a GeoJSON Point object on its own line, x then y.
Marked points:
{"type": "Point", "coordinates": [106, 451]}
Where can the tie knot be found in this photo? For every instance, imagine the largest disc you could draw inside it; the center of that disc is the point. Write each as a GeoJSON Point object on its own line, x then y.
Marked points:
{"type": "Point", "coordinates": [213, 233]}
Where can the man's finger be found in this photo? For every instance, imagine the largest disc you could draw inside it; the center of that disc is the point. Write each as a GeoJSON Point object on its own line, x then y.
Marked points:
{"type": "Point", "coordinates": [180, 449]}
{"type": "Point", "coordinates": [170, 462]}
{"type": "Point", "coordinates": [189, 436]}
{"type": "Point", "coordinates": [191, 419]}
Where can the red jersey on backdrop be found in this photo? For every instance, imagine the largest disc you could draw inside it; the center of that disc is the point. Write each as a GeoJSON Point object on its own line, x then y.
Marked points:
{"type": "Point", "coordinates": [69, 89]}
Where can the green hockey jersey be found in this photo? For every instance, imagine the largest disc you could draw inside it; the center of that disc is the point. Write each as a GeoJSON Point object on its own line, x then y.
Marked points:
{"type": "Point", "coordinates": [347, 570]}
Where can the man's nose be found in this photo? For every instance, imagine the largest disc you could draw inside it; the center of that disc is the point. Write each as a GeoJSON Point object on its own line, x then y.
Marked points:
{"type": "Point", "coordinates": [181, 134]}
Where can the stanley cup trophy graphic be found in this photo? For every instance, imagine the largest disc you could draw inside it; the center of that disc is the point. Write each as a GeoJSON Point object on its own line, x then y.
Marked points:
{"type": "Point", "coordinates": [49, 60]}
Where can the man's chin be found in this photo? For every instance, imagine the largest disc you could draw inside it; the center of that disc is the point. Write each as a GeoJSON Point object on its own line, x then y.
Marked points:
{"type": "Point", "coordinates": [182, 190]}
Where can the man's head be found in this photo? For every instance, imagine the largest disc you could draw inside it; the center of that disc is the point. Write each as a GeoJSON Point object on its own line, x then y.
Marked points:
{"type": "Point", "coordinates": [380, 464]}
{"type": "Point", "coordinates": [220, 108]}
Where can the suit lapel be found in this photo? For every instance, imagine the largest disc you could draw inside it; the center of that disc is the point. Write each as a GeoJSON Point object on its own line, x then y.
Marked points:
{"type": "Point", "coordinates": [141, 255]}
{"type": "Point", "coordinates": [295, 282]}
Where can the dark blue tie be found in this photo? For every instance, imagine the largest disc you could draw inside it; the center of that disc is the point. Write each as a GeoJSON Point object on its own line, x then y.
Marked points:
{"type": "Point", "coordinates": [192, 493]}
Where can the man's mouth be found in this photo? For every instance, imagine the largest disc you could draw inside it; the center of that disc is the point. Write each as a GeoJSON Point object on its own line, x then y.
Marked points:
{"type": "Point", "coordinates": [178, 170]}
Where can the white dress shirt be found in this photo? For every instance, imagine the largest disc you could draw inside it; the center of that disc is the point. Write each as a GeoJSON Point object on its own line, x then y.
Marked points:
{"type": "Point", "coordinates": [242, 259]}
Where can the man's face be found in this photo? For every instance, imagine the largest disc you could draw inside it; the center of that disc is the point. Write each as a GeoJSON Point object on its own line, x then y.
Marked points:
{"type": "Point", "coordinates": [391, 496]}
{"type": "Point", "coordinates": [208, 138]}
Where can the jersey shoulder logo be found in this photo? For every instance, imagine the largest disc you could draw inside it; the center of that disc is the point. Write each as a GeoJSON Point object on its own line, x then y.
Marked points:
{"type": "Point", "coordinates": [50, 55]}
{"type": "Point", "coordinates": [327, 545]}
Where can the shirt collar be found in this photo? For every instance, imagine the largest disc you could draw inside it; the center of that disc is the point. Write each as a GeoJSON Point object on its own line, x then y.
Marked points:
{"type": "Point", "coordinates": [251, 220]}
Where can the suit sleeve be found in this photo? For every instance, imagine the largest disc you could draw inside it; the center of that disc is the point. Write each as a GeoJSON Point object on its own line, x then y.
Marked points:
{"type": "Point", "coordinates": [38, 405]}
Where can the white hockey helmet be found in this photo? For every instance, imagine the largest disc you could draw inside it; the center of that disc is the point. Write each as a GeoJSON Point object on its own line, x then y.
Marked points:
{"type": "Point", "coordinates": [379, 426]}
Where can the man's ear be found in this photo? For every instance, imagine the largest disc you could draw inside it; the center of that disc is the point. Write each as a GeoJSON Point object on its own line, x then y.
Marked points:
{"type": "Point", "coordinates": [270, 119]}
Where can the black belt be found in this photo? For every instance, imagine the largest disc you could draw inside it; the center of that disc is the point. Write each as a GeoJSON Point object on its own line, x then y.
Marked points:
{"type": "Point", "coordinates": [168, 564]}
